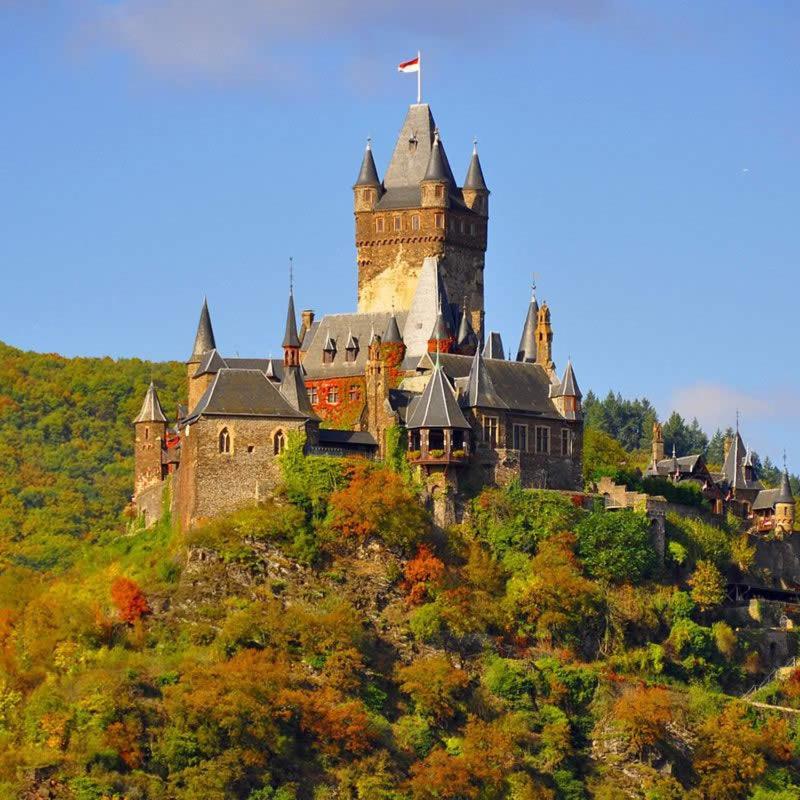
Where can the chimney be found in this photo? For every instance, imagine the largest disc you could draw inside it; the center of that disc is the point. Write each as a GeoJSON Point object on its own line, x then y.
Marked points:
{"type": "Point", "coordinates": [306, 321]}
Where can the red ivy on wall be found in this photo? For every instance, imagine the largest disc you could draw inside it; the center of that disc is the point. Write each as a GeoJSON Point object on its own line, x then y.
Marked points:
{"type": "Point", "coordinates": [344, 413]}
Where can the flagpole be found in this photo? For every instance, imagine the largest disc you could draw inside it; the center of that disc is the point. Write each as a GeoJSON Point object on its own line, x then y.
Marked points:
{"type": "Point", "coordinates": [419, 77]}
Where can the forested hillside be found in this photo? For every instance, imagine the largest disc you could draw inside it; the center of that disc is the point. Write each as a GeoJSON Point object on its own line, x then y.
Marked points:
{"type": "Point", "coordinates": [66, 448]}
{"type": "Point", "coordinates": [331, 644]}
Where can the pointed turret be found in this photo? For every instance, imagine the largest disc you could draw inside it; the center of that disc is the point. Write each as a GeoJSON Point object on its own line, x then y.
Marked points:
{"type": "Point", "coordinates": [392, 332]}
{"type": "Point", "coordinates": [151, 408]}
{"type": "Point", "coordinates": [527, 342]}
{"type": "Point", "coordinates": [368, 174]}
{"type": "Point", "coordinates": [441, 339]}
{"type": "Point", "coordinates": [480, 392]}
{"type": "Point", "coordinates": [293, 389]}
{"type": "Point", "coordinates": [437, 169]}
{"type": "Point", "coordinates": [475, 191]}
{"type": "Point", "coordinates": [466, 340]}
{"type": "Point", "coordinates": [785, 489]}
{"type": "Point", "coordinates": [437, 182]}
{"type": "Point", "coordinates": [204, 338]}
{"type": "Point", "coordinates": [291, 341]}
{"type": "Point", "coordinates": [438, 406]}
{"type": "Point", "coordinates": [567, 394]}
{"type": "Point", "coordinates": [785, 508]}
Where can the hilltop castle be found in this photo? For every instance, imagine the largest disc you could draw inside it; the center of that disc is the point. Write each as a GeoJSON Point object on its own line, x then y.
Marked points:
{"type": "Point", "coordinates": [415, 355]}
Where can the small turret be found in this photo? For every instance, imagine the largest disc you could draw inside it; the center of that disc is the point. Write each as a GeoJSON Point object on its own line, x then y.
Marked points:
{"type": "Point", "coordinates": [475, 191]}
{"type": "Point", "coordinates": [527, 342]}
{"type": "Point", "coordinates": [544, 339]}
{"type": "Point", "coordinates": [204, 342]}
{"type": "Point", "coordinates": [392, 332]}
{"type": "Point", "coordinates": [466, 340]}
{"type": "Point", "coordinates": [494, 346]}
{"type": "Point", "coordinates": [150, 428]}
{"type": "Point", "coordinates": [293, 386]}
{"type": "Point", "coordinates": [367, 189]}
{"type": "Point", "coordinates": [441, 339]}
{"type": "Point", "coordinates": [291, 341]}
{"type": "Point", "coordinates": [435, 186]}
{"type": "Point", "coordinates": [567, 395]}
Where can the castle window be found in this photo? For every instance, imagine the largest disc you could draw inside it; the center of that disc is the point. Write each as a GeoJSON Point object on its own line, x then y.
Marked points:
{"type": "Point", "coordinates": [355, 392]}
{"type": "Point", "coordinates": [313, 395]}
{"type": "Point", "coordinates": [461, 226]}
{"type": "Point", "coordinates": [224, 441]}
{"type": "Point", "coordinates": [520, 437]}
{"type": "Point", "coordinates": [251, 448]}
{"type": "Point", "coordinates": [439, 192]}
{"type": "Point", "coordinates": [398, 223]}
{"type": "Point", "coordinates": [147, 432]}
{"type": "Point", "coordinates": [278, 443]}
{"type": "Point", "coordinates": [333, 395]}
{"type": "Point", "coordinates": [415, 222]}
{"type": "Point", "coordinates": [439, 219]}
{"type": "Point", "coordinates": [566, 442]}
{"type": "Point", "coordinates": [379, 225]}
{"type": "Point", "coordinates": [367, 195]}
{"type": "Point", "coordinates": [542, 439]}
{"type": "Point", "coordinates": [472, 229]}
{"type": "Point", "coordinates": [490, 425]}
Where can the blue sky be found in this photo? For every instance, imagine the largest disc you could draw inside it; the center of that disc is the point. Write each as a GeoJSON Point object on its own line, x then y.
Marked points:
{"type": "Point", "coordinates": [643, 161]}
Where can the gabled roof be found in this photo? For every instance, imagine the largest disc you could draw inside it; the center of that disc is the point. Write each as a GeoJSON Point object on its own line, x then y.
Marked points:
{"type": "Point", "coordinates": [204, 338]}
{"type": "Point", "coordinates": [494, 346]}
{"type": "Point", "coordinates": [290, 338]}
{"type": "Point", "coordinates": [480, 391]}
{"type": "Point", "coordinates": [475, 179]}
{"type": "Point", "coordinates": [293, 390]}
{"type": "Point", "coordinates": [243, 393]}
{"type": "Point", "coordinates": [437, 407]}
{"type": "Point", "coordinates": [213, 362]}
{"type": "Point", "coordinates": [368, 174]}
{"type": "Point", "coordinates": [151, 410]}
{"type": "Point", "coordinates": [527, 342]}
{"type": "Point", "coordinates": [686, 465]}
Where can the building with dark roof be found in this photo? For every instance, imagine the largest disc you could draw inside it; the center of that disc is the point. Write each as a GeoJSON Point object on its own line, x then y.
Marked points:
{"type": "Point", "coordinates": [414, 354]}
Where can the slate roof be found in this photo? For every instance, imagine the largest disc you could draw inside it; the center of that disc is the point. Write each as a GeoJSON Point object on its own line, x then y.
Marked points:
{"type": "Point", "coordinates": [480, 391]}
{"type": "Point", "coordinates": [521, 386]}
{"type": "Point", "coordinates": [766, 499]}
{"type": "Point", "coordinates": [475, 179]}
{"type": "Point", "coordinates": [243, 393]}
{"type": "Point", "coordinates": [392, 332]}
{"type": "Point", "coordinates": [204, 338]}
{"type": "Point", "coordinates": [213, 362]}
{"type": "Point", "coordinates": [466, 336]}
{"type": "Point", "coordinates": [438, 169]}
{"type": "Point", "coordinates": [569, 384]}
{"type": "Point", "coordinates": [151, 410]}
{"type": "Point", "coordinates": [494, 346]}
{"type": "Point", "coordinates": [293, 390]}
{"type": "Point", "coordinates": [666, 466]}
{"type": "Point", "coordinates": [437, 407]}
{"type": "Point", "coordinates": [527, 342]}
{"type": "Point", "coordinates": [733, 468]}
{"type": "Point", "coordinates": [412, 151]}
{"type": "Point", "coordinates": [785, 490]}
{"type": "Point", "coordinates": [290, 338]}
{"type": "Point", "coordinates": [368, 174]}
{"type": "Point", "coordinates": [440, 330]}
{"type": "Point", "coordinates": [332, 436]}
{"type": "Point", "coordinates": [339, 327]}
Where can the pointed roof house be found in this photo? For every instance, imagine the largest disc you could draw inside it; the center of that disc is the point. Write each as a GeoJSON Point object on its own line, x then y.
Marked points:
{"type": "Point", "coordinates": [204, 338]}
{"type": "Point", "coordinates": [527, 343]}
{"type": "Point", "coordinates": [437, 407]}
{"type": "Point", "coordinates": [151, 410]}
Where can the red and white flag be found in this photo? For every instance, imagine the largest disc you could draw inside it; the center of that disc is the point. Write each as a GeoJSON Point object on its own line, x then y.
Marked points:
{"type": "Point", "coordinates": [409, 66]}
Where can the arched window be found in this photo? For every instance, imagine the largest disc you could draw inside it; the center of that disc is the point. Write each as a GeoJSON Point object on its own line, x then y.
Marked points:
{"type": "Point", "coordinates": [224, 441]}
{"type": "Point", "coordinates": [279, 443]}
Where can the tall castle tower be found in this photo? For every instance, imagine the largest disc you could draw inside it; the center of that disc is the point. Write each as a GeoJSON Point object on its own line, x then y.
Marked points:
{"type": "Point", "coordinates": [418, 210]}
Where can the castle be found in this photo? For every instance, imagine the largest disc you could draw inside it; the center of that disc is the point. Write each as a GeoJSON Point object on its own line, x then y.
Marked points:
{"type": "Point", "coordinates": [414, 356]}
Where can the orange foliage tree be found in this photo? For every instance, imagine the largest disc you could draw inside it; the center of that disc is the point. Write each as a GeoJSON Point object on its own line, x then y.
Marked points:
{"type": "Point", "coordinates": [377, 502]}
{"type": "Point", "coordinates": [420, 573]}
{"type": "Point", "coordinates": [434, 685]}
{"type": "Point", "coordinates": [644, 714]}
{"type": "Point", "coordinates": [129, 600]}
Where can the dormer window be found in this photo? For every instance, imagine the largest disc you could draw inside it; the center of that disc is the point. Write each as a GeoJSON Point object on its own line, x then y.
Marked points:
{"type": "Point", "coordinates": [351, 353]}
{"type": "Point", "coordinates": [329, 351]}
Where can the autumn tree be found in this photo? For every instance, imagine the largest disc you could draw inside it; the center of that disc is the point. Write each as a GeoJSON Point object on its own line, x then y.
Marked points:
{"type": "Point", "coordinates": [129, 600]}
{"type": "Point", "coordinates": [434, 685]}
{"type": "Point", "coordinates": [708, 585]}
{"type": "Point", "coordinates": [421, 573]}
{"type": "Point", "coordinates": [643, 714]}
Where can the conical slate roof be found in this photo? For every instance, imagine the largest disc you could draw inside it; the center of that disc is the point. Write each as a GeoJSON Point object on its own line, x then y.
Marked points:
{"type": "Point", "coordinates": [440, 330]}
{"type": "Point", "coordinates": [290, 338]}
{"type": "Point", "coordinates": [151, 407]}
{"type": "Point", "coordinates": [368, 174]}
{"type": "Point", "coordinates": [392, 332]}
{"type": "Point", "coordinates": [785, 490]}
{"type": "Point", "coordinates": [437, 169]}
{"type": "Point", "coordinates": [480, 389]}
{"type": "Point", "coordinates": [466, 335]}
{"type": "Point", "coordinates": [527, 343]}
{"type": "Point", "coordinates": [204, 338]}
{"type": "Point", "coordinates": [293, 390]}
{"type": "Point", "coordinates": [569, 385]}
{"type": "Point", "coordinates": [475, 179]}
{"type": "Point", "coordinates": [494, 346]}
{"type": "Point", "coordinates": [438, 406]}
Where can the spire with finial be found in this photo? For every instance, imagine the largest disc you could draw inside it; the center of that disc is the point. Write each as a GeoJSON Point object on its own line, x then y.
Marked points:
{"type": "Point", "coordinates": [437, 169]}
{"type": "Point", "coordinates": [151, 410]}
{"type": "Point", "coordinates": [204, 338]}
{"type": "Point", "coordinates": [368, 174]}
{"type": "Point", "coordinates": [475, 179]}
{"type": "Point", "coordinates": [527, 342]}
{"type": "Point", "coordinates": [291, 341]}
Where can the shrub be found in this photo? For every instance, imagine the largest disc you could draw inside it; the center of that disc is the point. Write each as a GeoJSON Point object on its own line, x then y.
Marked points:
{"type": "Point", "coordinates": [616, 546]}
{"type": "Point", "coordinates": [708, 585]}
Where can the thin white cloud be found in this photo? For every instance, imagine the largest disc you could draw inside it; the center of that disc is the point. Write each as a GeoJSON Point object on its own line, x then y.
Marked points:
{"type": "Point", "coordinates": [232, 39]}
{"type": "Point", "coordinates": [715, 405]}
